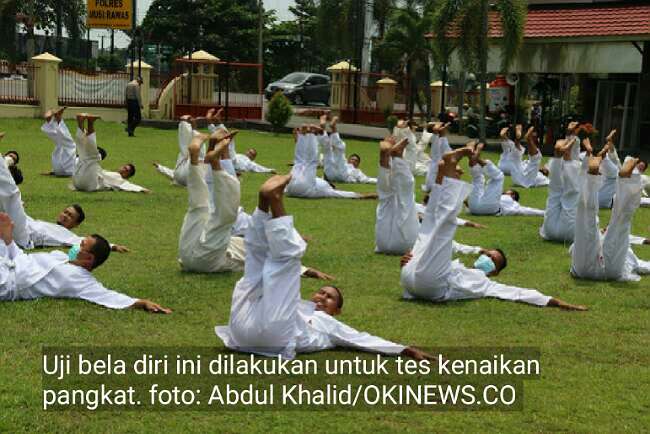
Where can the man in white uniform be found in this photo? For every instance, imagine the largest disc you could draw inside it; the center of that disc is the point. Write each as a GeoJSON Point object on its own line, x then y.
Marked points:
{"type": "Point", "coordinates": [429, 273]}
{"type": "Point", "coordinates": [246, 163]}
{"type": "Point", "coordinates": [65, 150]}
{"type": "Point", "coordinates": [267, 315]}
{"type": "Point", "coordinates": [206, 243]}
{"type": "Point", "coordinates": [439, 147]}
{"type": "Point", "coordinates": [334, 161]}
{"type": "Point", "coordinates": [59, 275]}
{"type": "Point", "coordinates": [355, 175]}
{"type": "Point", "coordinates": [607, 257]}
{"type": "Point", "coordinates": [304, 182]}
{"type": "Point", "coordinates": [511, 150]}
{"type": "Point", "coordinates": [563, 193]}
{"type": "Point", "coordinates": [88, 174]}
{"type": "Point", "coordinates": [489, 199]}
{"type": "Point", "coordinates": [526, 173]}
{"type": "Point", "coordinates": [186, 129]}
{"type": "Point", "coordinates": [396, 225]}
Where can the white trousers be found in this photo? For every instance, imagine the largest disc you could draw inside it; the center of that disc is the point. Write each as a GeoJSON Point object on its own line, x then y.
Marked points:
{"type": "Point", "coordinates": [526, 174]}
{"type": "Point", "coordinates": [336, 168]}
{"type": "Point", "coordinates": [64, 154]}
{"type": "Point", "coordinates": [396, 227]}
{"type": "Point", "coordinates": [604, 259]}
{"type": "Point", "coordinates": [485, 199]}
{"type": "Point", "coordinates": [264, 309]}
{"type": "Point", "coordinates": [563, 192]}
{"type": "Point", "coordinates": [11, 203]}
{"type": "Point", "coordinates": [609, 169]}
{"type": "Point", "coordinates": [205, 234]}
{"type": "Point", "coordinates": [87, 171]}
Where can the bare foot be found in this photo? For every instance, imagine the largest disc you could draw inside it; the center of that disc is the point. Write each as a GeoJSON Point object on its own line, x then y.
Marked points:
{"type": "Point", "coordinates": [518, 131]}
{"type": "Point", "coordinates": [194, 148]}
{"type": "Point", "coordinates": [594, 165]}
{"type": "Point", "coordinates": [209, 114]}
{"type": "Point", "coordinates": [219, 116]}
{"type": "Point", "coordinates": [586, 143]}
{"type": "Point", "coordinates": [323, 121]}
{"type": "Point", "coordinates": [530, 134]}
{"type": "Point", "coordinates": [186, 118]}
{"type": "Point", "coordinates": [573, 126]}
{"type": "Point", "coordinates": [274, 186]}
{"type": "Point", "coordinates": [48, 115]}
{"type": "Point", "coordinates": [628, 167]}
{"type": "Point", "coordinates": [610, 136]}
{"type": "Point", "coordinates": [92, 117]}
{"type": "Point", "coordinates": [504, 133]}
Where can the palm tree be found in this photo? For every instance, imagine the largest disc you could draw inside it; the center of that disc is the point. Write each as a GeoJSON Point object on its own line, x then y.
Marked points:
{"type": "Point", "coordinates": [404, 40]}
{"type": "Point", "coordinates": [468, 20]}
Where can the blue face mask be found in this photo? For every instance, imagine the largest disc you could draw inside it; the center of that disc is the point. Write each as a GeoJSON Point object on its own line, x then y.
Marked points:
{"type": "Point", "coordinates": [73, 252]}
{"type": "Point", "coordinates": [485, 264]}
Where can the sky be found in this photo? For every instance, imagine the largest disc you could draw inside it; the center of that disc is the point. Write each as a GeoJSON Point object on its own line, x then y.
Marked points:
{"type": "Point", "coordinates": [281, 7]}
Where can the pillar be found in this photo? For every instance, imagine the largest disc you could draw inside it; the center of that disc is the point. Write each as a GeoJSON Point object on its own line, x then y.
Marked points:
{"type": "Point", "coordinates": [386, 94]}
{"type": "Point", "coordinates": [46, 76]}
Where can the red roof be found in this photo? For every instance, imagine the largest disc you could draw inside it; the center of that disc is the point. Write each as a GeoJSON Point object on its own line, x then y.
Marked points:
{"type": "Point", "coordinates": [624, 20]}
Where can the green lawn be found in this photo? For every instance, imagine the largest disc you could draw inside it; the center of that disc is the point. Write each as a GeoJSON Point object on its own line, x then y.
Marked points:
{"type": "Point", "coordinates": [595, 374]}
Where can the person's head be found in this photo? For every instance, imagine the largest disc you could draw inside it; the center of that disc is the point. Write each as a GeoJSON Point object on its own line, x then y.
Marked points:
{"type": "Point", "coordinates": [251, 153]}
{"type": "Point", "coordinates": [102, 152]}
{"type": "Point", "coordinates": [355, 160]}
{"type": "Point", "coordinates": [16, 174]}
{"type": "Point", "coordinates": [328, 299]}
{"type": "Point", "coordinates": [514, 194]}
{"type": "Point", "coordinates": [491, 262]}
{"type": "Point", "coordinates": [14, 155]}
{"type": "Point", "coordinates": [71, 217]}
{"type": "Point", "coordinates": [93, 252]}
{"type": "Point", "coordinates": [127, 171]}
{"type": "Point", "coordinates": [641, 166]}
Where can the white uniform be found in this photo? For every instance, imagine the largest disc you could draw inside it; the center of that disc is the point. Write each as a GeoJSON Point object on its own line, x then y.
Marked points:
{"type": "Point", "coordinates": [422, 160]}
{"type": "Point", "coordinates": [396, 227]}
{"type": "Point", "coordinates": [432, 275]}
{"type": "Point", "coordinates": [334, 162]}
{"type": "Point", "coordinates": [88, 174]}
{"type": "Point", "coordinates": [563, 192]}
{"type": "Point", "coordinates": [410, 152]}
{"type": "Point", "coordinates": [245, 164]}
{"type": "Point", "coordinates": [267, 315]}
{"type": "Point", "coordinates": [206, 243]}
{"type": "Point", "coordinates": [645, 202]}
{"type": "Point", "coordinates": [304, 182]}
{"type": "Point", "coordinates": [356, 176]}
{"type": "Point", "coordinates": [510, 156]}
{"type": "Point", "coordinates": [439, 147]}
{"type": "Point", "coordinates": [526, 174]}
{"type": "Point", "coordinates": [605, 257]}
{"type": "Point", "coordinates": [64, 154]}
{"type": "Point", "coordinates": [609, 167]}
{"type": "Point", "coordinates": [484, 199]}
{"type": "Point", "coordinates": [38, 275]}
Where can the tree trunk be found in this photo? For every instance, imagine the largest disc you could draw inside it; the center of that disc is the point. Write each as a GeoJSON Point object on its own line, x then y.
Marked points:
{"type": "Point", "coordinates": [483, 66]}
{"type": "Point", "coordinates": [409, 77]}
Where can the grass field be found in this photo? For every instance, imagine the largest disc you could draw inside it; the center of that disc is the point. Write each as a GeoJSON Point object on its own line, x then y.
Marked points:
{"type": "Point", "coordinates": [595, 365]}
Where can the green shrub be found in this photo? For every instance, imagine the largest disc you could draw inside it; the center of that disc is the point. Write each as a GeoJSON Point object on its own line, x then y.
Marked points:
{"type": "Point", "coordinates": [391, 121]}
{"type": "Point", "coordinates": [279, 111]}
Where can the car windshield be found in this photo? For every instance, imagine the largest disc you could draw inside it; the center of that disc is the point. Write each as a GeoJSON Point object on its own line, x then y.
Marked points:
{"type": "Point", "coordinates": [294, 78]}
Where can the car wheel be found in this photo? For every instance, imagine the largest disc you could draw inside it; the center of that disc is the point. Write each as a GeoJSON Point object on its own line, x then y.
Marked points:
{"type": "Point", "coordinates": [297, 100]}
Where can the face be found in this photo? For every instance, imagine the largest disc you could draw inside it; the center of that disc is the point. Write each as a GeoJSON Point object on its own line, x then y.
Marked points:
{"type": "Point", "coordinates": [85, 258]}
{"type": "Point", "coordinates": [641, 166]}
{"type": "Point", "coordinates": [251, 154]}
{"type": "Point", "coordinates": [511, 194]}
{"type": "Point", "coordinates": [327, 300]}
{"type": "Point", "coordinates": [354, 161]}
{"type": "Point", "coordinates": [125, 171]}
{"type": "Point", "coordinates": [12, 155]}
{"type": "Point", "coordinates": [68, 218]}
{"type": "Point", "coordinates": [498, 260]}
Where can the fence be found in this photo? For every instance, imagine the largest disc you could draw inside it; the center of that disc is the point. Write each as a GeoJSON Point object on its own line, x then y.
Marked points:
{"type": "Point", "coordinates": [157, 83]}
{"type": "Point", "coordinates": [361, 99]}
{"type": "Point", "coordinates": [233, 86]}
{"type": "Point", "coordinates": [92, 89]}
{"type": "Point", "coordinates": [18, 84]}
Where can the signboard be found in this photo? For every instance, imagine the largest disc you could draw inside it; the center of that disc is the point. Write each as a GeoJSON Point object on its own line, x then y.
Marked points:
{"type": "Point", "coordinates": [110, 14]}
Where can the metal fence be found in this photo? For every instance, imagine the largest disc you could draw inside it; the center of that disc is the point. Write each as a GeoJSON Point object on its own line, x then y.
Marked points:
{"type": "Point", "coordinates": [18, 83]}
{"type": "Point", "coordinates": [92, 89]}
{"type": "Point", "coordinates": [233, 86]}
{"type": "Point", "coordinates": [361, 105]}
{"type": "Point", "coordinates": [157, 83]}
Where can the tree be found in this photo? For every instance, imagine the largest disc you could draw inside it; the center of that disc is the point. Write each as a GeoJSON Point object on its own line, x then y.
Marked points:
{"type": "Point", "coordinates": [467, 21]}
{"type": "Point", "coordinates": [404, 40]}
{"type": "Point", "coordinates": [225, 28]}
{"type": "Point", "coordinates": [278, 111]}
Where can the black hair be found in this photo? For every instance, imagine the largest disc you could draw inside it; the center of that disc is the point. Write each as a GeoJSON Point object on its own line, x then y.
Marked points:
{"type": "Point", "coordinates": [80, 211]}
{"type": "Point", "coordinates": [338, 291]}
{"type": "Point", "coordinates": [16, 174]}
{"type": "Point", "coordinates": [505, 260]}
{"type": "Point", "coordinates": [16, 154]}
{"type": "Point", "coordinates": [102, 152]}
{"type": "Point", "coordinates": [425, 199]}
{"type": "Point", "coordinates": [100, 250]}
{"type": "Point", "coordinates": [355, 155]}
{"type": "Point", "coordinates": [131, 169]}
{"type": "Point", "coordinates": [515, 195]}
{"type": "Point", "coordinates": [645, 163]}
